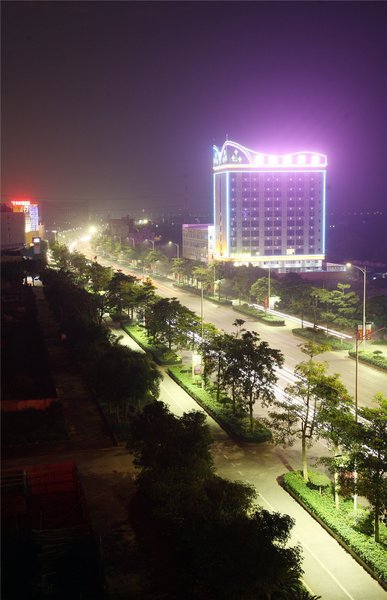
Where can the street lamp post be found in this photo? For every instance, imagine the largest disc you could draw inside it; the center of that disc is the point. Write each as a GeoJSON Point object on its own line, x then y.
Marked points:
{"type": "Point", "coordinates": [177, 248]}
{"type": "Point", "coordinates": [151, 242]}
{"type": "Point", "coordinates": [177, 256]}
{"type": "Point", "coordinates": [268, 290]}
{"type": "Point", "coordinates": [363, 333]}
{"type": "Point", "coordinates": [364, 271]}
{"type": "Point", "coordinates": [133, 241]}
{"type": "Point", "coordinates": [201, 310]}
{"type": "Point", "coordinates": [363, 338]}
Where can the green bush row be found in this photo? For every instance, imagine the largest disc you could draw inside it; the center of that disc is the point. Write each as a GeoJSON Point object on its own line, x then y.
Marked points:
{"type": "Point", "coordinates": [375, 360]}
{"type": "Point", "coordinates": [161, 354]}
{"type": "Point", "coordinates": [260, 315]}
{"type": "Point", "coordinates": [318, 336]}
{"type": "Point", "coordinates": [237, 427]}
{"type": "Point", "coordinates": [339, 522]}
{"type": "Point", "coordinates": [194, 290]}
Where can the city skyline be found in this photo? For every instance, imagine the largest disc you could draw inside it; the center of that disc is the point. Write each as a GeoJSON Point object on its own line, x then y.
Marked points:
{"type": "Point", "coordinates": [120, 103]}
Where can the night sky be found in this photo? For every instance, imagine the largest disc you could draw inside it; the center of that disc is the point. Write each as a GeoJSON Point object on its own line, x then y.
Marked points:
{"type": "Point", "coordinates": [120, 102]}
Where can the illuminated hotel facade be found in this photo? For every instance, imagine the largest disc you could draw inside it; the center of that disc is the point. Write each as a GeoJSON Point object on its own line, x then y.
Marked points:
{"type": "Point", "coordinates": [269, 210]}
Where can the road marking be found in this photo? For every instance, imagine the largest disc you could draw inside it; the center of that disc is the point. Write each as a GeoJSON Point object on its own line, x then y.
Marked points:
{"type": "Point", "coordinates": [162, 386]}
{"type": "Point", "coordinates": [240, 473]}
{"type": "Point", "coordinates": [225, 456]}
{"type": "Point", "coordinates": [313, 554]}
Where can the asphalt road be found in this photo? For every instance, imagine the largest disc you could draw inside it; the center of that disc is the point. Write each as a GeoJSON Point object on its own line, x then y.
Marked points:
{"type": "Point", "coordinates": [329, 570]}
{"type": "Point", "coordinates": [370, 380]}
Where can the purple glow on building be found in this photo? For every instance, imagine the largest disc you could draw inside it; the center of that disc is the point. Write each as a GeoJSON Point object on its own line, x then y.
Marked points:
{"type": "Point", "coordinates": [269, 208]}
{"type": "Point", "coordinates": [233, 155]}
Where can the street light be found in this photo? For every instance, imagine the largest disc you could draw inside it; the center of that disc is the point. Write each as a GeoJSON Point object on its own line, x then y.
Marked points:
{"type": "Point", "coordinates": [177, 256]}
{"type": "Point", "coordinates": [201, 309]}
{"type": "Point", "coordinates": [364, 271]}
{"type": "Point", "coordinates": [268, 290]}
{"type": "Point", "coordinates": [363, 333]}
{"type": "Point", "coordinates": [151, 242]}
{"type": "Point", "coordinates": [177, 248]}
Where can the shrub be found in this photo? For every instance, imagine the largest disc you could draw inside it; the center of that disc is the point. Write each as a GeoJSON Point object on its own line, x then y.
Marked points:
{"type": "Point", "coordinates": [161, 354]}
{"type": "Point", "coordinates": [318, 480]}
{"type": "Point", "coordinates": [371, 358]}
{"type": "Point", "coordinates": [237, 426]}
{"type": "Point", "coordinates": [318, 336]}
{"type": "Point", "coordinates": [341, 525]}
{"type": "Point", "coordinates": [260, 315]}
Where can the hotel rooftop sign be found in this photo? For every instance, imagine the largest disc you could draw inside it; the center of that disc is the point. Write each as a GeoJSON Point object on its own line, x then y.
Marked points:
{"type": "Point", "coordinates": [237, 157]}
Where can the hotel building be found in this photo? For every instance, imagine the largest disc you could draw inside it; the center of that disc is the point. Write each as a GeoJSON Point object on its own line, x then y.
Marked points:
{"type": "Point", "coordinates": [269, 210]}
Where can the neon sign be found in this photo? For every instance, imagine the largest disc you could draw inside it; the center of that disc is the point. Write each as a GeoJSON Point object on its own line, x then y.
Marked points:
{"type": "Point", "coordinates": [237, 157]}
{"type": "Point", "coordinates": [21, 202]}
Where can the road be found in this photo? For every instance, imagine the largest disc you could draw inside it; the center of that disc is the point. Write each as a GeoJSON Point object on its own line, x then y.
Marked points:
{"type": "Point", "coordinates": [370, 380]}
{"type": "Point", "coordinates": [329, 570]}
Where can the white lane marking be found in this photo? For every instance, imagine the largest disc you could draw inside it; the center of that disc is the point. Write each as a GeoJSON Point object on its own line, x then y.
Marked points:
{"type": "Point", "coordinates": [314, 555]}
{"type": "Point", "coordinates": [240, 473]}
{"type": "Point", "coordinates": [173, 398]}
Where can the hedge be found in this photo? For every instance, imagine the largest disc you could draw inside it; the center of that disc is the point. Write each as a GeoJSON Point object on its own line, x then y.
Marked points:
{"type": "Point", "coordinates": [236, 427]}
{"type": "Point", "coordinates": [260, 315]}
{"type": "Point", "coordinates": [375, 360]}
{"type": "Point", "coordinates": [161, 354]}
{"type": "Point", "coordinates": [338, 523]}
{"type": "Point", "coordinates": [318, 336]}
{"type": "Point", "coordinates": [198, 292]}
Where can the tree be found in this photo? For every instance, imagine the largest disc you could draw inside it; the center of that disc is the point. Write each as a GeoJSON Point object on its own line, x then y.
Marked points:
{"type": "Point", "coordinates": [242, 282]}
{"type": "Point", "coordinates": [257, 365]}
{"type": "Point", "coordinates": [377, 311]}
{"type": "Point", "coordinates": [321, 299]}
{"type": "Point", "coordinates": [99, 277]}
{"type": "Point", "coordinates": [217, 543]}
{"type": "Point", "coordinates": [204, 276]}
{"type": "Point", "coordinates": [159, 442]}
{"type": "Point", "coordinates": [214, 359]}
{"type": "Point", "coordinates": [335, 420]}
{"type": "Point", "coordinates": [121, 292]}
{"type": "Point", "coordinates": [344, 305]}
{"type": "Point", "coordinates": [369, 454]}
{"type": "Point", "coordinates": [60, 255]}
{"type": "Point", "coordinates": [260, 289]}
{"type": "Point", "coordinates": [125, 378]}
{"type": "Point", "coordinates": [80, 267]}
{"type": "Point", "coordinates": [179, 267]}
{"type": "Point", "coordinates": [152, 258]}
{"type": "Point", "coordinates": [169, 322]}
{"type": "Point", "coordinates": [296, 417]}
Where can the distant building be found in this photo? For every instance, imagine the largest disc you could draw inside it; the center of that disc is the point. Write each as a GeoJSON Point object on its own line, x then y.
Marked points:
{"type": "Point", "coordinates": [198, 242]}
{"type": "Point", "coordinates": [121, 228]}
{"type": "Point", "coordinates": [12, 228]}
{"type": "Point", "coordinates": [269, 210]}
{"type": "Point", "coordinates": [30, 211]}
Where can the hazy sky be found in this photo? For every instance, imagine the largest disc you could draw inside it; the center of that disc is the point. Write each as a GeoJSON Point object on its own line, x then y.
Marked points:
{"type": "Point", "coordinates": [120, 102]}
